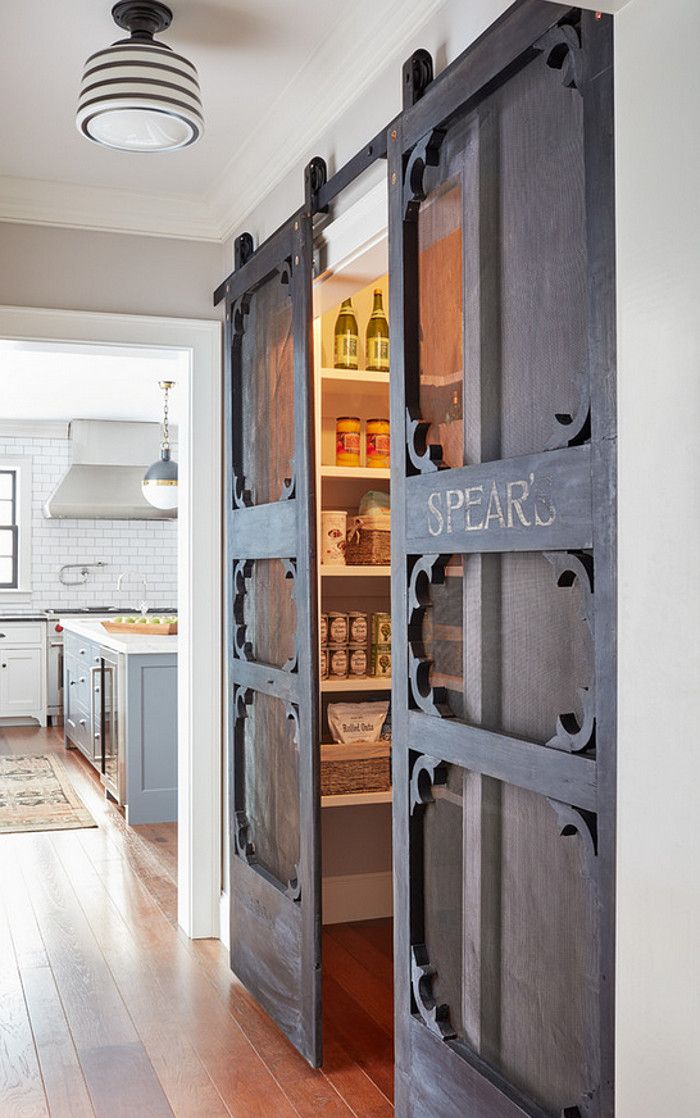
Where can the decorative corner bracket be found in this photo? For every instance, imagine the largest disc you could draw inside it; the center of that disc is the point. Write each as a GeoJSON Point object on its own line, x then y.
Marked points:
{"type": "Point", "coordinates": [293, 890]}
{"type": "Point", "coordinates": [435, 1016]}
{"type": "Point", "coordinates": [586, 1108]}
{"type": "Point", "coordinates": [425, 457]}
{"type": "Point", "coordinates": [571, 735]}
{"type": "Point", "coordinates": [290, 571]}
{"type": "Point", "coordinates": [574, 429]}
{"type": "Point", "coordinates": [289, 485]}
{"type": "Point", "coordinates": [562, 51]}
{"type": "Point", "coordinates": [426, 774]}
{"type": "Point", "coordinates": [426, 153]}
{"type": "Point", "coordinates": [577, 821]}
{"type": "Point", "coordinates": [243, 649]}
{"type": "Point", "coordinates": [428, 570]}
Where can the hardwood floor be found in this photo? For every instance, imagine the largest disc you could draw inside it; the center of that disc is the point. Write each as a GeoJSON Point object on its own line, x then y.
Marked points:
{"type": "Point", "coordinates": [107, 1010]}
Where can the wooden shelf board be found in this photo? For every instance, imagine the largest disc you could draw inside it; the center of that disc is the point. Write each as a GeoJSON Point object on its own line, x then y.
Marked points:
{"type": "Point", "coordinates": [330, 570]}
{"type": "Point", "coordinates": [364, 472]}
{"type": "Point", "coordinates": [349, 799]}
{"type": "Point", "coordinates": [369, 683]}
{"type": "Point", "coordinates": [354, 376]}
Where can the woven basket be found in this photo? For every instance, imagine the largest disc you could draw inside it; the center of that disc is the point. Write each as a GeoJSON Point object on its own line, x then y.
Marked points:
{"type": "Point", "coordinates": [365, 774]}
{"type": "Point", "coordinates": [367, 545]}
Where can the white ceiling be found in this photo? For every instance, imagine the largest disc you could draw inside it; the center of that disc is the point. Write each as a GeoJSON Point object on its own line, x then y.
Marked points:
{"type": "Point", "coordinates": [273, 73]}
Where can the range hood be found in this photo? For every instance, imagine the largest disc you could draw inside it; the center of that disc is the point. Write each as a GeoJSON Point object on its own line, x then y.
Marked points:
{"type": "Point", "coordinates": [104, 479]}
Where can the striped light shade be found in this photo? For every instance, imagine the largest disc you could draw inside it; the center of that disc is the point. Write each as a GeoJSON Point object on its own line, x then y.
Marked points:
{"type": "Point", "coordinates": [138, 95]}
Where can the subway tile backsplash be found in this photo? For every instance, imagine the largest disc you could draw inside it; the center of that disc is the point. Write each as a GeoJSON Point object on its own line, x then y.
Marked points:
{"type": "Point", "coordinates": [146, 546]}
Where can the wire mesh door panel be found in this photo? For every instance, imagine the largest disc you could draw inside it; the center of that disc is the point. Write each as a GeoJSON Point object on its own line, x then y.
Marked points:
{"type": "Point", "coordinates": [502, 520]}
{"type": "Point", "coordinates": [271, 653]}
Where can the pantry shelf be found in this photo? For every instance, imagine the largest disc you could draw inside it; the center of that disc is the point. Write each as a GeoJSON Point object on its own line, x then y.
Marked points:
{"type": "Point", "coordinates": [344, 570]}
{"type": "Point", "coordinates": [368, 683]}
{"type": "Point", "coordinates": [348, 799]}
{"type": "Point", "coordinates": [364, 472]}
{"type": "Point", "coordinates": [350, 377]}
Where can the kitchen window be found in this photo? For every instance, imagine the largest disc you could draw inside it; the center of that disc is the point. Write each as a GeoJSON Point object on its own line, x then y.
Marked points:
{"type": "Point", "coordinates": [15, 525]}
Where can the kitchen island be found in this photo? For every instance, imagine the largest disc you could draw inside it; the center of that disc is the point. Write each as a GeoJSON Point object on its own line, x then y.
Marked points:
{"type": "Point", "coordinates": [120, 699]}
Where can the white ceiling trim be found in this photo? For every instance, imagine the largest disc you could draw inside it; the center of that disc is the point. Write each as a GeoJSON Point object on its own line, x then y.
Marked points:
{"type": "Point", "coordinates": [312, 102]}
{"type": "Point", "coordinates": [76, 206]}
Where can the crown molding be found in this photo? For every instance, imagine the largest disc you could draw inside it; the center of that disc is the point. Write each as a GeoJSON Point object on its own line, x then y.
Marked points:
{"type": "Point", "coordinates": [76, 206]}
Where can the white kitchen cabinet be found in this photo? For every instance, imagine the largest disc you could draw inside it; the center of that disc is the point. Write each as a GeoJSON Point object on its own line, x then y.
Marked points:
{"type": "Point", "coordinates": [23, 671]}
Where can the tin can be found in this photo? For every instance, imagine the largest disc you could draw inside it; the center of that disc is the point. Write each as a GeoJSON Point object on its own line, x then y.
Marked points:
{"type": "Point", "coordinates": [347, 440]}
{"type": "Point", "coordinates": [338, 663]}
{"type": "Point", "coordinates": [377, 442]}
{"type": "Point", "coordinates": [323, 630]}
{"type": "Point", "coordinates": [357, 661]}
{"type": "Point", "coordinates": [381, 660]}
{"type": "Point", "coordinates": [337, 629]}
{"type": "Point", "coordinates": [381, 628]}
{"type": "Point", "coordinates": [333, 529]}
{"type": "Point", "coordinates": [323, 663]}
{"type": "Point", "coordinates": [357, 627]}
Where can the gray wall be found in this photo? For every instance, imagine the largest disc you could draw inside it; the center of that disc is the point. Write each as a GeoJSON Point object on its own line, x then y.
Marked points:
{"type": "Point", "coordinates": [120, 273]}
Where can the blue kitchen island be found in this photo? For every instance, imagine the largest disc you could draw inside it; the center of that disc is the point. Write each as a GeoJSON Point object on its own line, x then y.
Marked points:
{"type": "Point", "coordinates": [120, 710]}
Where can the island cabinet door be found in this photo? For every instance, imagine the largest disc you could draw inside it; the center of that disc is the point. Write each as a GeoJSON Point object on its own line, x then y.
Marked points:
{"type": "Point", "coordinates": [272, 657]}
{"type": "Point", "coordinates": [501, 279]}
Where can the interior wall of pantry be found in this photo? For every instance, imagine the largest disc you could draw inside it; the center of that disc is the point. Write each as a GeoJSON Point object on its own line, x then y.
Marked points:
{"type": "Point", "coordinates": [658, 278]}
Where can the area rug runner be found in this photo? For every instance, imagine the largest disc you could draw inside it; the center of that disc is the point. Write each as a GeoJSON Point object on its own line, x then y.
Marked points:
{"type": "Point", "coordinates": [36, 795]}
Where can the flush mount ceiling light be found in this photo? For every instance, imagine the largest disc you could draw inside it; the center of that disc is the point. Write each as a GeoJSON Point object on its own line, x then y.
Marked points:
{"type": "Point", "coordinates": [138, 95]}
{"type": "Point", "coordinates": [160, 480]}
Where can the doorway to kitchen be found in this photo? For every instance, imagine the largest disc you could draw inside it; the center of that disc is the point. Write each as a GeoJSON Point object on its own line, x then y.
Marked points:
{"type": "Point", "coordinates": [197, 346]}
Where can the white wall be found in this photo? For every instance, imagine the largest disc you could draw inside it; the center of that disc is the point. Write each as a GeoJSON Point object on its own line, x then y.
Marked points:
{"type": "Point", "coordinates": [658, 187]}
{"type": "Point", "coordinates": [149, 546]}
{"type": "Point", "coordinates": [76, 269]}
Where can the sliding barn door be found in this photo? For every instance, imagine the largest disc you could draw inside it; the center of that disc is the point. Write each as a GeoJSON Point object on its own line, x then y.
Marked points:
{"type": "Point", "coordinates": [501, 280]}
{"type": "Point", "coordinates": [272, 641]}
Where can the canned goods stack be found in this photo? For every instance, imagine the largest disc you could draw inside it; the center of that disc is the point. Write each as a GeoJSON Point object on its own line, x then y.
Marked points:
{"type": "Point", "coordinates": [345, 645]}
{"type": "Point", "coordinates": [380, 655]}
{"type": "Point", "coordinates": [350, 649]}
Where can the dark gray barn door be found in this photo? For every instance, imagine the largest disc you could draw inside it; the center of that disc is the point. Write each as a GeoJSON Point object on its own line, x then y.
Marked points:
{"type": "Point", "coordinates": [501, 234]}
{"type": "Point", "coordinates": [271, 626]}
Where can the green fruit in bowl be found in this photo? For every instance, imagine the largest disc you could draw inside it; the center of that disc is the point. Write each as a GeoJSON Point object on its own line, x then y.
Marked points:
{"type": "Point", "coordinates": [131, 620]}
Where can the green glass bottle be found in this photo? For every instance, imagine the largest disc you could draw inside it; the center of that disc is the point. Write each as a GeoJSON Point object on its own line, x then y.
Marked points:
{"type": "Point", "coordinates": [378, 337]}
{"type": "Point", "coordinates": [346, 337]}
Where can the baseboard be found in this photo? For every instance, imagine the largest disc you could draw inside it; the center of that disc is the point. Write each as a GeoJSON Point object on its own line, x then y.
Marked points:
{"type": "Point", "coordinates": [357, 896]}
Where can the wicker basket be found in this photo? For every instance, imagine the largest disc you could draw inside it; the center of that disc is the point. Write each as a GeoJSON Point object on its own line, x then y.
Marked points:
{"type": "Point", "coordinates": [358, 774]}
{"type": "Point", "coordinates": [367, 544]}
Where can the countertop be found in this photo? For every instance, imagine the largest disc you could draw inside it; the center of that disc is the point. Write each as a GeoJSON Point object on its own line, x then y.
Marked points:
{"type": "Point", "coordinates": [143, 645]}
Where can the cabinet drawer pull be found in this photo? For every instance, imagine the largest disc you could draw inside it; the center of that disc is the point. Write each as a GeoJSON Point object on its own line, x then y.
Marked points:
{"type": "Point", "coordinates": [3, 634]}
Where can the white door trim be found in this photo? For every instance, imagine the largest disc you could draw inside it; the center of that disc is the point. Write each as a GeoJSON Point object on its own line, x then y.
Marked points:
{"type": "Point", "coordinates": [199, 575]}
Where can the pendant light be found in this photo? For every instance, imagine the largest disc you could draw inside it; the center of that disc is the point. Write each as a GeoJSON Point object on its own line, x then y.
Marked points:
{"type": "Point", "coordinates": [138, 95]}
{"type": "Point", "coordinates": [160, 480]}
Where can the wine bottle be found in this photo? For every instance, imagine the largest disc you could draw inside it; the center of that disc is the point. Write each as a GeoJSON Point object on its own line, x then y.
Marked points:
{"type": "Point", "coordinates": [346, 337]}
{"type": "Point", "coordinates": [378, 337]}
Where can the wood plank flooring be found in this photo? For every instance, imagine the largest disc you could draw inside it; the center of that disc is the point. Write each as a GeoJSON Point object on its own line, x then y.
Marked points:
{"type": "Point", "coordinates": [107, 1010]}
